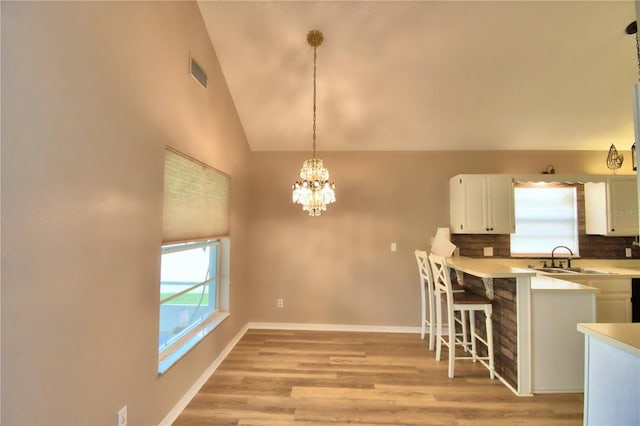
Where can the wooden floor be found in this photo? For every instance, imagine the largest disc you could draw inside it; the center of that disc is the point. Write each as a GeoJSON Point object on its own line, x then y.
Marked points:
{"type": "Point", "coordinates": [314, 378]}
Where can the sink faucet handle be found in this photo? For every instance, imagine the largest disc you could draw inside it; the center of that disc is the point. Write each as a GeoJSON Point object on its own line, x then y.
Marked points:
{"type": "Point", "coordinates": [544, 264]}
{"type": "Point", "coordinates": [568, 262]}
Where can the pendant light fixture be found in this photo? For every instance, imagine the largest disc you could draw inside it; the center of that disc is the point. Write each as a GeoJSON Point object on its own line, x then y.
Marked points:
{"type": "Point", "coordinates": [313, 190]}
{"type": "Point", "coordinates": [614, 160]}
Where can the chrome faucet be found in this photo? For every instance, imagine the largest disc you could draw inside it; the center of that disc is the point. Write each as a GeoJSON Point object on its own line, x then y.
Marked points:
{"type": "Point", "coordinates": [553, 264]}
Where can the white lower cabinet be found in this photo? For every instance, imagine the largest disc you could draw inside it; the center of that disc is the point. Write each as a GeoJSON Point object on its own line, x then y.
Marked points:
{"type": "Point", "coordinates": [613, 303]}
{"type": "Point", "coordinates": [557, 348]}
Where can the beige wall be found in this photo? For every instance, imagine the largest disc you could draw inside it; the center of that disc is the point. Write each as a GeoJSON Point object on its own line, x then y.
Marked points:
{"type": "Point", "coordinates": [91, 94]}
{"type": "Point", "coordinates": [338, 268]}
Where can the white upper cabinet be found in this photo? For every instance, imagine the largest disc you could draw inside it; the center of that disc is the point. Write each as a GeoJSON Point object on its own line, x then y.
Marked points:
{"type": "Point", "coordinates": [481, 204]}
{"type": "Point", "coordinates": [611, 207]}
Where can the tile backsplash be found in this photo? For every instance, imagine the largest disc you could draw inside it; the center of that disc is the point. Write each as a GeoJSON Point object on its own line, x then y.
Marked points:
{"type": "Point", "coordinates": [591, 246]}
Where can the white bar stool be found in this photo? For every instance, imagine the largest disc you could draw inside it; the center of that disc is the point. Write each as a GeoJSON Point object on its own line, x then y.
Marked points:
{"type": "Point", "coordinates": [460, 302]}
{"type": "Point", "coordinates": [427, 296]}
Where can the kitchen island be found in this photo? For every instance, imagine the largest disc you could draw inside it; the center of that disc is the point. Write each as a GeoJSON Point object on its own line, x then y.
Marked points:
{"type": "Point", "coordinates": [512, 292]}
{"type": "Point", "coordinates": [612, 375]}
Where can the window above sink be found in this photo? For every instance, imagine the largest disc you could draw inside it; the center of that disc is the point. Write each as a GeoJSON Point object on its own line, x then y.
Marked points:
{"type": "Point", "coordinates": [546, 216]}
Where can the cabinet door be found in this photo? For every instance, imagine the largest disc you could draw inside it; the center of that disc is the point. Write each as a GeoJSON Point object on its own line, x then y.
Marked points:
{"type": "Point", "coordinates": [613, 303]}
{"type": "Point", "coordinates": [623, 207]}
{"type": "Point", "coordinates": [474, 193]}
{"type": "Point", "coordinates": [500, 210]}
{"type": "Point", "coordinates": [611, 207]}
{"type": "Point", "coordinates": [595, 208]}
{"type": "Point", "coordinates": [610, 308]}
{"type": "Point", "coordinates": [481, 204]}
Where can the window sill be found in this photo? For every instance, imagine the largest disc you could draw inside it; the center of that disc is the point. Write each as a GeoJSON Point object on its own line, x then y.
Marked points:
{"type": "Point", "coordinates": [176, 352]}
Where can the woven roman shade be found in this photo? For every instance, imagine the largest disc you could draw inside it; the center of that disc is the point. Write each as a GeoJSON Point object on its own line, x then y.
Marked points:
{"type": "Point", "coordinates": [196, 200]}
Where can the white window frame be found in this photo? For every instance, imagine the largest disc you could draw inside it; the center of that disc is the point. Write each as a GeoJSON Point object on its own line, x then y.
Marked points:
{"type": "Point", "coordinates": [546, 222]}
{"type": "Point", "coordinates": [171, 353]}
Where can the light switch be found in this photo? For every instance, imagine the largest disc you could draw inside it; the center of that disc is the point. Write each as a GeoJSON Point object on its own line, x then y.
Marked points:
{"type": "Point", "coordinates": [394, 247]}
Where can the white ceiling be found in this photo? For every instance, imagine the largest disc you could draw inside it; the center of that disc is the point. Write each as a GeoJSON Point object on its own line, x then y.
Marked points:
{"type": "Point", "coordinates": [429, 75]}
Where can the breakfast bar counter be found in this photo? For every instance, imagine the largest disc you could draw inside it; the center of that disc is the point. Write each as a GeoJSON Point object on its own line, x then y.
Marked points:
{"type": "Point", "coordinates": [512, 290]}
{"type": "Point", "coordinates": [487, 268]}
{"type": "Point", "coordinates": [509, 289]}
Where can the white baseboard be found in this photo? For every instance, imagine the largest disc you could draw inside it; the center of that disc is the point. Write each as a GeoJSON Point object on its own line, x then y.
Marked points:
{"type": "Point", "coordinates": [331, 327]}
{"type": "Point", "coordinates": [193, 390]}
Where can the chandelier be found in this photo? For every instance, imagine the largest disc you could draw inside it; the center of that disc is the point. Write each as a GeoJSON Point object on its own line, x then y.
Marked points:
{"type": "Point", "coordinates": [313, 190]}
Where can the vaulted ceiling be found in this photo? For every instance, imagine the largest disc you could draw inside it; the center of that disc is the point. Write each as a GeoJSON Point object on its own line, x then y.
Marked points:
{"type": "Point", "coordinates": [430, 75]}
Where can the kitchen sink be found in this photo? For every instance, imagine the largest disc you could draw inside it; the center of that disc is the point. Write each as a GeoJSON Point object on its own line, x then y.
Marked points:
{"type": "Point", "coordinates": [576, 270]}
{"type": "Point", "coordinates": [556, 270]}
{"type": "Point", "coordinates": [588, 271]}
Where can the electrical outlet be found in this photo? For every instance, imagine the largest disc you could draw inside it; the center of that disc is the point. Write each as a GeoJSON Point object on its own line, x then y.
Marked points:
{"type": "Point", "coordinates": [394, 247]}
{"type": "Point", "coordinates": [122, 417]}
{"type": "Point", "coordinates": [488, 251]}
{"type": "Point", "coordinates": [280, 303]}
{"type": "Point", "coordinates": [627, 252]}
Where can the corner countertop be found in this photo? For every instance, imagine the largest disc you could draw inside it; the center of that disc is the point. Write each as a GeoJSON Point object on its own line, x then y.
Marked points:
{"type": "Point", "coordinates": [485, 268]}
{"type": "Point", "coordinates": [494, 267]}
{"type": "Point", "coordinates": [542, 284]}
{"type": "Point", "coordinates": [624, 336]}
{"type": "Point", "coordinates": [613, 268]}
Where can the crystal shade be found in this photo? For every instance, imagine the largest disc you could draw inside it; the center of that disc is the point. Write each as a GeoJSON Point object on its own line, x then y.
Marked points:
{"type": "Point", "coordinates": [314, 191]}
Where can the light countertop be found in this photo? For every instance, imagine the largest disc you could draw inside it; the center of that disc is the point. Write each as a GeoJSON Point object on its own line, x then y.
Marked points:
{"type": "Point", "coordinates": [624, 336]}
{"type": "Point", "coordinates": [489, 267]}
{"type": "Point", "coordinates": [615, 268]}
{"type": "Point", "coordinates": [542, 284]}
{"type": "Point", "coordinates": [483, 268]}
{"type": "Point", "coordinates": [611, 272]}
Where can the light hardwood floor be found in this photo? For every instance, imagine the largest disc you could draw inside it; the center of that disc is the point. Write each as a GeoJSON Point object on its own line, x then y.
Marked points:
{"type": "Point", "coordinates": [314, 378]}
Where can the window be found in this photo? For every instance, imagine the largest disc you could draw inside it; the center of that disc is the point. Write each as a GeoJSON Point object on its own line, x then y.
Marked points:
{"type": "Point", "coordinates": [188, 288]}
{"type": "Point", "coordinates": [546, 217]}
{"type": "Point", "coordinates": [194, 258]}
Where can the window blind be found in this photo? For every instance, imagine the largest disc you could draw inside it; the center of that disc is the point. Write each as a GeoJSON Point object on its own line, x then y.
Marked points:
{"type": "Point", "coordinates": [196, 200]}
{"type": "Point", "coordinates": [545, 217]}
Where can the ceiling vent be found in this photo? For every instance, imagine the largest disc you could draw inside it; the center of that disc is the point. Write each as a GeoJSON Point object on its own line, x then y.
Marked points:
{"type": "Point", "coordinates": [197, 72]}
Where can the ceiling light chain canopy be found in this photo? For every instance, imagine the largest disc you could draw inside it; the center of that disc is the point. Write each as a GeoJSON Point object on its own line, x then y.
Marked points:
{"type": "Point", "coordinates": [314, 191]}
